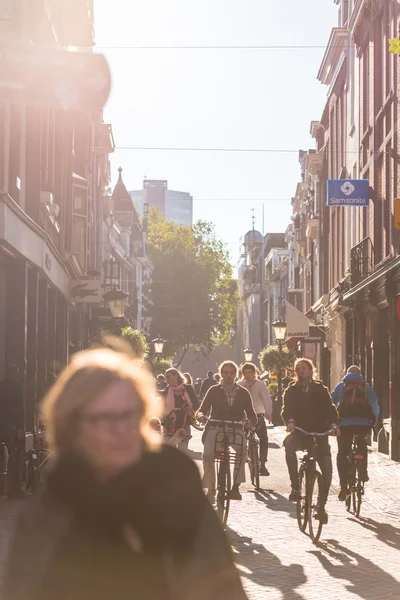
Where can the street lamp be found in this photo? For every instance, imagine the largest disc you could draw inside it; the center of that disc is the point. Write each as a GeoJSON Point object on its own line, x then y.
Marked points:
{"type": "Point", "coordinates": [248, 355]}
{"type": "Point", "coordinates": [280, 329]}
{"type": "Point", "coordinates": [158, 346]}
{"type": "Point", "coordinates": [116, 302]}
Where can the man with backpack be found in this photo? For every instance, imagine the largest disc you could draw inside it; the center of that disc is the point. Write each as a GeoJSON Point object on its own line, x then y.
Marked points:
{"type": "Point", "coordinates": [358, 410]}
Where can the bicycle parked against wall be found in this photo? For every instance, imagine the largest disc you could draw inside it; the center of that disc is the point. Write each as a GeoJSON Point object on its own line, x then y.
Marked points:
{"type": "Point", "coordinates": [36, 461]}
{"type": "Point", "coordinates": [357, 475]}
{"type": "Point", "coordinates": [310, 485]}
{"type": "Point", "coordinates": [226, 460]}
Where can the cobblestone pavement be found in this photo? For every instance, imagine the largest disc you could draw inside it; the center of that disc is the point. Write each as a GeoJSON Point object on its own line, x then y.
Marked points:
{"type": "Point", "coordinates": [355, 558]}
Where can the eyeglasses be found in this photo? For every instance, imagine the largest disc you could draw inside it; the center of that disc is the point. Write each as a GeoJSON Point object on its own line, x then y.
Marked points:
{"type": "Point", "coordinates": [111, 419]}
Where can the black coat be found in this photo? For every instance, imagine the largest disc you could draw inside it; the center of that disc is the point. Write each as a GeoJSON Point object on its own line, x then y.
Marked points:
{"type": "Point", "coordinates": [190, 391]}
{"type": "Point", "coordinates": [313, 411]}
{"type": "Point", "coordinates": [70, 543]}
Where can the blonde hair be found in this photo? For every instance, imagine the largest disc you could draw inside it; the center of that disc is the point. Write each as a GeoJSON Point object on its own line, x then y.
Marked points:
{"type": "Point", "coordinates": [88, 375]}
{"type": "Point", "coordinates": [174, 371]}
{"type": "Point", "coordinates": [228, 363]}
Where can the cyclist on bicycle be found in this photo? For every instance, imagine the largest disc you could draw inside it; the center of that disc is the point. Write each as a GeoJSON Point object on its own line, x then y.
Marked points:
{"type": "Point", "coordinates": [226, 401]}
{"type": "Point", "coordinates": [180, 405]}
{"type": "Point", "coordinates": [307, 404]}
{"type": "Point", "coordinates": [262, 405]}
{"type": "Point", "coordinates": [358, 409]}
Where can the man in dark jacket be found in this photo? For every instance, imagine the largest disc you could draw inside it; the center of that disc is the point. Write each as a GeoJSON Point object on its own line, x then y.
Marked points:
{"type": "Point", "coordinates": [307, 404]}
{"type": "Point", "coordinates": [227, 401]}
{"type": "Point", "coordinates": [12, 422]}
{"type": "Point", "coordinates": [208, 382]}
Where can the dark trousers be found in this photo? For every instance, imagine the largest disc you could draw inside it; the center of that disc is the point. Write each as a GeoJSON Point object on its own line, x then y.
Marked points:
{"type": "Point", "coordinates": [262, 433]}
{"type": "Point", "coordinates": [345, 441]}
{"type": "Point", "coordinates": [297, 441]}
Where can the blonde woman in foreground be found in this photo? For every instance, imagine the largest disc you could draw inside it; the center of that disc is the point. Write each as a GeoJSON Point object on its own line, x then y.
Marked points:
{"type": "Point", "coordinates": [121, 516]}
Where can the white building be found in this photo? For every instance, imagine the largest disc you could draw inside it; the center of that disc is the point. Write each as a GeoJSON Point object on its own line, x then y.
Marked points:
{"type": "Point", "coordinates": [176, 206]}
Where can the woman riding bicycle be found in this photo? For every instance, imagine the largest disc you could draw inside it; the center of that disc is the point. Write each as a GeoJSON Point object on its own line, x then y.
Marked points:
{"type": "Point", "coordinates": [180, 405]}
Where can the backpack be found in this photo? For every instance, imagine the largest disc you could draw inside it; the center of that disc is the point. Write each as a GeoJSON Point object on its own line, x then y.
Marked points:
{"type": "Point", "coordinates": [355, 402]}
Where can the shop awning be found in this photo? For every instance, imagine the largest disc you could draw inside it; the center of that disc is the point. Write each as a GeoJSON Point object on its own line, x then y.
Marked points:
{"type": "Point", "coordinates": [297, 324]}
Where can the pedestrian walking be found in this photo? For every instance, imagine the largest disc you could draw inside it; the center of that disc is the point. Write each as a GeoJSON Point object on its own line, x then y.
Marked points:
{"type": "Point", "coordinates": [262, 405]}
{"type": "Point", "coordinates": [197, 387]}
{"type": "Point", "coordinates": [208, 382]}
{"type": "Point", "coordinates": [307, 404]}
{"type": "Point", "coordinates": [12, 428]}
{"type": "Point", "coordinates": [121, 515]}
{"type": "Point", "coordinates": [358, 409]}
{"type": "Point", "coordinates": [188, 378]}
{"type": "Point", "coordinates": [161, 382]}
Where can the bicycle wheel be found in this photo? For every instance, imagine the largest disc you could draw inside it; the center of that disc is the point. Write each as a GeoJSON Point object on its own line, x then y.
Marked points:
{"type": "Point", "coordinates": [350, 485]}
{"type": "Point", "coordinates": [314, 520]}
{"type": "Point", "coordinates": [358, 490]}
{"type": "Point", "coordinates": [302, 502]}
{"type": "Point", "coordinates": [256, 468]}
{"type": "Point", "coordinates": [224, 488]}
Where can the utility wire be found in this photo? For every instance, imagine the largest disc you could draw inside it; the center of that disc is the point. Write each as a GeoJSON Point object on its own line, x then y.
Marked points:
{"type": "Point", "coordinates": [246, 150]}
{"type": "Point", "coordinates": [232, 47]}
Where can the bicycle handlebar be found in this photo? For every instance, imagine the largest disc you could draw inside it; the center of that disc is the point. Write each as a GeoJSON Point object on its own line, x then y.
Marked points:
{"type": "Point", "coordinates": [315, 434]}
{"type": "Point", "coordinates": [222, 421]}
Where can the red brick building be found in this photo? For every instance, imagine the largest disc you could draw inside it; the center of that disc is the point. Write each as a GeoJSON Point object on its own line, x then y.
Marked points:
{"type": "Point", "coordinates": [53, 171]}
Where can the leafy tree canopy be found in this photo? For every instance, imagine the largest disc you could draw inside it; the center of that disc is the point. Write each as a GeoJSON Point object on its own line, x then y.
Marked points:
{"type": "Point", "coordinates": [194, 296]}
{"type": "Point", "coordinates": [275, 359]}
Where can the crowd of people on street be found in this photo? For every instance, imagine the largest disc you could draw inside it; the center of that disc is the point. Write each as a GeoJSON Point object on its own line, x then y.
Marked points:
{"type": "Point", "coordinates": [121, 506]}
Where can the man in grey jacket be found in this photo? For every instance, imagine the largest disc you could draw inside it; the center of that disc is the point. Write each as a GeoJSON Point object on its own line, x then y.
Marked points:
{"type": "Point", "coordinates": [262, 405]}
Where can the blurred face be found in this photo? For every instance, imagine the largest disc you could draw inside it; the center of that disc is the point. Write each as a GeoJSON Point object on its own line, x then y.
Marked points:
{"type": "Point", "coordinates": [249, 374]}
{"type": "Point", "coordinates": [109, 430]}
{"type": "Point", "coordinates": [228, 374]}
{"type": "Point", "coordinates": [303, 372]}
{"type": "Point", "coordinates": [172, 379]}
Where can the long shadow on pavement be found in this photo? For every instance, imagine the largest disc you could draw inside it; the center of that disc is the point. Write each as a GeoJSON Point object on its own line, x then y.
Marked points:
{"type": "Point", "coordinates": [264, 568]}
{"type": "Point", "coordinates": [386, 533]}
{"type": "Point", "coordinates": [275, 501]}
{"type": "Point", "coordinates": [365, 579]}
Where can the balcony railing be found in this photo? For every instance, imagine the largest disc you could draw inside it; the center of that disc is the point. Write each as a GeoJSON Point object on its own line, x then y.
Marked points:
{"type": "Point", "coordinates": [361, 261]}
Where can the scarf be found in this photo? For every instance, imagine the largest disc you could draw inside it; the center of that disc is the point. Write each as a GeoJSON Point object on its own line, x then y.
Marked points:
{"type": "Point", "coordinates": [179, 390]}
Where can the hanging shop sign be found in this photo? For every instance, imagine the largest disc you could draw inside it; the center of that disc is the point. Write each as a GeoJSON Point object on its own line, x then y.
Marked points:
{"type": "Point", "coordinates": [86, 291]}
{"type": "Point", "coordinates": [348, 192]}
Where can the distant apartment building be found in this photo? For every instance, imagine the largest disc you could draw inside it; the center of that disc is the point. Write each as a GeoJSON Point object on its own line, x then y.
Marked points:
{"type": "Point", "coordinates": [176, 206]}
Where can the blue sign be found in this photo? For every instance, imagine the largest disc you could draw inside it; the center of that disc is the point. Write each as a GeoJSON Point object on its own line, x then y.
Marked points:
{"type": "Point", "coordinates": [348, 192]}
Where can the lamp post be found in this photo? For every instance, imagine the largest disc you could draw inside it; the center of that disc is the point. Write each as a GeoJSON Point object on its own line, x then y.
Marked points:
{"type": "Point", "coordinates": [248, 355]}
{"type": "Point", "coordinates": [280, 329]}
{"type": "Point", "coordinates": [158, 344]}
{"type": "Point", "coordinates": [116, 303]}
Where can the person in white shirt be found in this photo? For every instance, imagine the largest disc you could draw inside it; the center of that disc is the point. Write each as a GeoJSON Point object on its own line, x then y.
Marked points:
{"type": "Point", "coordinates": [262, 405]}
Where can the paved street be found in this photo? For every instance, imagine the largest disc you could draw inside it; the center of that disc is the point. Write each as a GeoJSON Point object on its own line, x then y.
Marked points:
{"type": "Point", "coordinates": [355, 559]}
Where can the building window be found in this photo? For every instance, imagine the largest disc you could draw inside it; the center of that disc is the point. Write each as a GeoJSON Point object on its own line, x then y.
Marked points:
{"type": "Point", "coordinates": [80, 200]}
{"type": "Point", "coordinates": [79, 240]}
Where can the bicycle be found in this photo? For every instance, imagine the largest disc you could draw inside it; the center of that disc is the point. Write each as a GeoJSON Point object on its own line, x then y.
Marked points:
{"type": "Point", "coordinates": [224, 459]}
{"type": "Point", "coordinates": [310, 484]}
{"type": "Point", "coordinates": [36, 461]}
{"type": "Point", "coordinates": [356, 479]}
{"type": "Point", "coordinates": [253, 458]}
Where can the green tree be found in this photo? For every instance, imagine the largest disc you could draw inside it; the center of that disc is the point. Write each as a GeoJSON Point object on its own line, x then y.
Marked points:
{"type": "Point", "coordinates": [193, 292]}
{"type": "Point", "coordinates": [136, 340]}
{"type": "Point", "coordinates": [275, 359]}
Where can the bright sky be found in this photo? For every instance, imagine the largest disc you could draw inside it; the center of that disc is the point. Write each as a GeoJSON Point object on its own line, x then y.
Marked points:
{"type": "Point", "coordinates": [216, 99]}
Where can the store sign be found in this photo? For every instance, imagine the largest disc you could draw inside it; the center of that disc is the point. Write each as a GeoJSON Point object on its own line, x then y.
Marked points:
{"type": "Point", "coordinates": [348, 192]}
{"type": "Point", "coordinates": [297, 324]}
{"type": "Point", "coordinates": [86, 290]}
